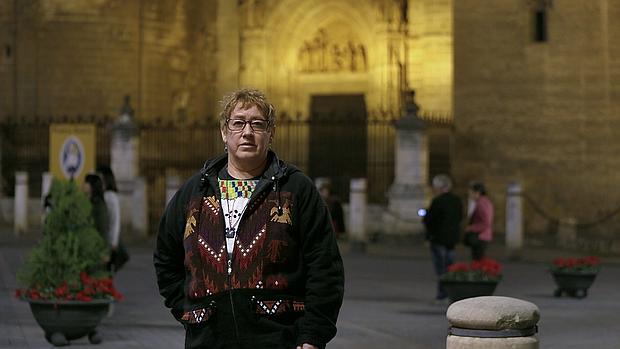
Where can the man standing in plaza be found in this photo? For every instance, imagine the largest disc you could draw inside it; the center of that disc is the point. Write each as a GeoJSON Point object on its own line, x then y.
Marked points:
{"type": "Point", "coordinates": [246, 255]}
{"type": "Point", "coordinates": [442, 222]}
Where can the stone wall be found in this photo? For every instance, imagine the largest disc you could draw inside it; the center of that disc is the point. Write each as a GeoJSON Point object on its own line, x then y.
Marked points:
{"type": "Point", "coordinates": [545, 114]}
{"type": "Point", "coordinates": [83, 56]}
{"type": "Point", "coordinates": [430, 54]}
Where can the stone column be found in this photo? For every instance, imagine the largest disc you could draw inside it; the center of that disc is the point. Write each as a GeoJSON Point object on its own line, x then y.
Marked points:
{"type": "Point", "coordinates": [21, 203]}
{"type": "Point", "coordinates": [492, 322]}
{"type": "Point", "coordinates": [514, 220]}
{"type": "Point", "coordinates": [357, 215]}
{"type": "Point", "coordinates": [124, 148]}
{"type": "Point", "coordinates": [124, 157]}
{"type": "Point", "coordinates": [409, 192]}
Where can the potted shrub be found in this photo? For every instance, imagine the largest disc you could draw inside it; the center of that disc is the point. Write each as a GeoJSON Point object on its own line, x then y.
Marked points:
{"type": "Point", "coordinates": [574, 276]}
{"type": "Point", "coordinates": [64, 279]}
{"type": "Point", "coordinates": [477, 278]}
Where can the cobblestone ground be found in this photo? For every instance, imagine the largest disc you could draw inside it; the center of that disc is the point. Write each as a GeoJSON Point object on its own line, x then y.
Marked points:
{"type": "Point", "coordinates": [388, 303]}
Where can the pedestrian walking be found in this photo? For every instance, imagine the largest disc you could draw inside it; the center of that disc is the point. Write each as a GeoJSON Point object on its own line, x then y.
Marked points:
{"type": "Point", "coordinates": [118, 251]}
{"type": "Point", "coordinates": [442, 222]}
{"type": "Point", "coordinates": [335, 209]}
{"type": "Point", "coordinates": [93, 188]}
{"type": "Point", "coordinates": [246, 256]}
{"type": "Point", "coordinates": [478, 232]}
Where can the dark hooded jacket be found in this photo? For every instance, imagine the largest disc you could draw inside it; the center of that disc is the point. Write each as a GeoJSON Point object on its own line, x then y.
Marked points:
{"type": "Point", "coordinates": [282, 286]}
{"type": "Point", "coordinates": [443, 220]}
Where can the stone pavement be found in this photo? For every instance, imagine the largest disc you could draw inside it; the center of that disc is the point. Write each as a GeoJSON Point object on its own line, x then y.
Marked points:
{"type": "Point", "coordinates": [387, 304]}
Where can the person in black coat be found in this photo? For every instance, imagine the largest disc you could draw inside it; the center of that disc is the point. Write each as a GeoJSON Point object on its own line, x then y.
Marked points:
{"type": "Point", "coordinates": [442, 222]}
{"type": "Point", "coordinates": [246, 255]}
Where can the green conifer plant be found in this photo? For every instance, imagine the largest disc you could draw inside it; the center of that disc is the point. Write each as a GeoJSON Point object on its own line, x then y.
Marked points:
{"type": "Point", "coordinates": [68, 262]}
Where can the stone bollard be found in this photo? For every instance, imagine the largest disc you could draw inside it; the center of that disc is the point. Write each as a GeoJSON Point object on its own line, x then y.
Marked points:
{"type": "Point", "coordinates": [139, 217]}
{"type": "Point", "coordinates": [567, 232]}
{"type": "Point", "coordinates": [357, 215]}
{"type": "Point", "coordinates": [21, 203]}
{"type": "Point", "coordinates": [173, 183]}
{"type": "Point", "coordinates": [514, 220]}
{"type": "Point", "coordinates": [492, 322]}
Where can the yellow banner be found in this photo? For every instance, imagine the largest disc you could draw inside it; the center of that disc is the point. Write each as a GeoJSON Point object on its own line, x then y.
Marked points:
{"type": "Point", "coordinates": [72, 150]}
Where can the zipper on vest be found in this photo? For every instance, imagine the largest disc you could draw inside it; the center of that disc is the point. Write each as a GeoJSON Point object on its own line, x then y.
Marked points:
{"type": "Point", "coordinates": [230, 290]}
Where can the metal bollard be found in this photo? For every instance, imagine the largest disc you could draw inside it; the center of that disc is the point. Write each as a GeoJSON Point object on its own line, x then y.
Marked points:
{"type": "Point", "coordinates": [492, 322]}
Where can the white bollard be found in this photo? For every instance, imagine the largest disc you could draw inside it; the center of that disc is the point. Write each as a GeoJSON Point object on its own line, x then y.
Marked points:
{"type": "Point", "coordinates": [21, 202]}
{"type": "Point", "coordinates": [172, 186]}
{"type": "Point", "coordinates": [492, 322]}
{"type": "Point", "coordinates": [357, 214]}
{"type": "Point", "coordinates": [567, 232]}
{"type": "Point", "coordinates": [514, 220]}
{"type": "Point", "coordinates": [139, 214]}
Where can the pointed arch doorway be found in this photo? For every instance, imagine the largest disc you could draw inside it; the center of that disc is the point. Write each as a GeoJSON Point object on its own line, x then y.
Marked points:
{"type": "Point", "coordinates": [338, 140]}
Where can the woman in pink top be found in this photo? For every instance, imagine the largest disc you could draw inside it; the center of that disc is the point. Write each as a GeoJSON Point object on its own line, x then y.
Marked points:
{"type": "Point", "coordinates": [480, 222]}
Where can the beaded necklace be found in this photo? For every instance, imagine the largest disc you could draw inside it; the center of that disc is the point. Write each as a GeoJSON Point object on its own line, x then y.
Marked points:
{"type": "Point", "coordinates": [235, 195]}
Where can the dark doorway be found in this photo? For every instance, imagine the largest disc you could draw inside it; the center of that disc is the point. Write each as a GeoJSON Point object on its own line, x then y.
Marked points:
{"type": "Point", "coordinates": [338, 140]}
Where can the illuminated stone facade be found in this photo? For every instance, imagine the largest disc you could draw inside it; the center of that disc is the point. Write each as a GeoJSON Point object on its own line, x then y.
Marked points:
{"type": "Point", "coordinates": [546, 114]}
{"type": "Point", "coordinates": [177, 57]}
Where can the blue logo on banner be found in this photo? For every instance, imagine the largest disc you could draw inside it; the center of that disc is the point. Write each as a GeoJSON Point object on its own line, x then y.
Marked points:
{"type": "Point", "coordinates": [72, 157]}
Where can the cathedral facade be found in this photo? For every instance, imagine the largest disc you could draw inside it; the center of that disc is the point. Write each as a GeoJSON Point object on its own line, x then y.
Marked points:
{"type": "Point", "coordinates": [528, 85]}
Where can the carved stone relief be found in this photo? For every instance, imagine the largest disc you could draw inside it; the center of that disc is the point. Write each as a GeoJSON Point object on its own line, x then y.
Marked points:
{"type": "Point", "coordinates": [319, 54]}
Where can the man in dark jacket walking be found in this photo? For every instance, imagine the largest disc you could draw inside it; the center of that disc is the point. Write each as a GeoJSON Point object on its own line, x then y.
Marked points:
{"type": "Point", "coordinates": [246, 256]}
{"type": "Point", "coordinates": [442, 222]}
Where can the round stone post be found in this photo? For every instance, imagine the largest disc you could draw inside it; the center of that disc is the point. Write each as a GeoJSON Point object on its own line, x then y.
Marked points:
{"type": "Point", "coordinates": [21, 203]}
{"type": "Point", "coordinates": [567, 232]}
{"type": "Point", "coordinates": [357, 215]}
{"type": "Point", "coordinates": [140, 217]}
{"type": "Point", "coordinates": [492, 322]}
{"type": "Point", "coordinates": [514, 220]}
{"type": "Point", "coordinates": [173, 182]}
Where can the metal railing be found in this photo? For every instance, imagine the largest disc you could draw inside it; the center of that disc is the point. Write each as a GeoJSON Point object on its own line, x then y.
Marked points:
{"type": "Point", "coordinates": [321, 148]}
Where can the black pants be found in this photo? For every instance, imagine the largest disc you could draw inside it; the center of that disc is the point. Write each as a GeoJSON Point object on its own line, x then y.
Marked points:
{"type": "Point", "coordinates": [478, 250]}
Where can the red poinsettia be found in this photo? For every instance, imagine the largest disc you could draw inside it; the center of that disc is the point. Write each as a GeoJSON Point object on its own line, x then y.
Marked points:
{"type": "Point", "coordinates": [87, 289]}
{"type": "Point", "coordinates": [583, 265]}
{"type": "Point", "coordinates": [486, 269]}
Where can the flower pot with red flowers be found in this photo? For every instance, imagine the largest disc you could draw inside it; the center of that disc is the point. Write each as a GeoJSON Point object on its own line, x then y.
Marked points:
{"type": "Point", "coordinates": [64, 278]}
{"type": "Point", "coordinates": [466, 280]}
{"type": "Point", "coordinates": [574, 276]}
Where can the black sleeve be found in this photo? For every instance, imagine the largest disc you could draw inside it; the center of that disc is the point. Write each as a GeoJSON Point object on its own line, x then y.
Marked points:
{"type": "Point", "coordinates": [324, 270]}
{"type": "Point", "coordinates": [169, 255]}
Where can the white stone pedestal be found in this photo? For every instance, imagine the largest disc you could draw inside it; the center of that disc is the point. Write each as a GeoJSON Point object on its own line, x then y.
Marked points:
{"type": "Point", "coordinates": [514, 220]}
{"type": "Point", "coordinates": [21, 203]}
{"type": "Point", "coordinates": [358, 213]}
{"type": "Point", "coordinates": [409, 192]}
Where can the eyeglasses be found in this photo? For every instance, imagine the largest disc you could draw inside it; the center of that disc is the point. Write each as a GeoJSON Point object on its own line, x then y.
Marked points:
{"type": "Point", "coordinates": [257, 125]}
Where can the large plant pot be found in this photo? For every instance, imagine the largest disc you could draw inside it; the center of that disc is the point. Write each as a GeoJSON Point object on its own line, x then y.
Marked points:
{"type": "Point", "coordinates": [572, 284]}
{"type": "Point", "coordinates": [458, 290]}
{"type": "Point", "coordinates": [63, 321]}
